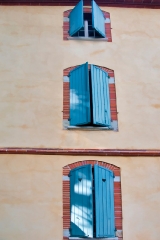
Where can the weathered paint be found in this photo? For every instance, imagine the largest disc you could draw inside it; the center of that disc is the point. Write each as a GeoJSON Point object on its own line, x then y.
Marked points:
{"type": "Point", "coordinates": [33, 56]}
{"type": "Point", "coordinates": [100, 97]}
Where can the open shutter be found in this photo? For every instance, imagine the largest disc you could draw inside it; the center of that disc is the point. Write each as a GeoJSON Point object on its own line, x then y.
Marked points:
{"type": "Point", "coordinates": [79, 96]}
{"type": "Point", "coordinates": [98, 20]}
{"type": "Point", "coordinates": [76, 19]}
{"type": "Point", "coordinates": [100, 96]}
{"type": "Point", "coordinates": [104, 202]}
{"type": "Point", "coordinates": [81, 201]}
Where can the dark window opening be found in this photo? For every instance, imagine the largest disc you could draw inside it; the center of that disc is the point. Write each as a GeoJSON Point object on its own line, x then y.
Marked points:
{"type": "Point", "coordinates": [80, 33]}
{"type": "Point", "coordinates": [91, 124]}
{"type": "Point", "coordinates": [87, 30]}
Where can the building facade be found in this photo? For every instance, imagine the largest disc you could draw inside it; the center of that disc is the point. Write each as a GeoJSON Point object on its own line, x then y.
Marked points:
{"type": "Point", "coordinates": [39, 145]}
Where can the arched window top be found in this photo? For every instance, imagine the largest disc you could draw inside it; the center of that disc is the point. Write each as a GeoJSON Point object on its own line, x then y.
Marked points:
{"type": "Point", "coordinates": [112, 167]}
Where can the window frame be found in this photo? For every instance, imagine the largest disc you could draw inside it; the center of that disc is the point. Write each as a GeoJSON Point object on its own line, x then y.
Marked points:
{"type": "Point", "coordinates": [92, 188]}
{"type": "Point", "coordinates": [66, 35]}
{"type": "Point", "coordinates": [117, 198]}
{"type": "Point", "coordinates": [66, 103]}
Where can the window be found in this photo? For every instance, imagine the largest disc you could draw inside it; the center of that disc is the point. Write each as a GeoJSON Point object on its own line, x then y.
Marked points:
{"type": "Point", "coordinates": [102, 168]}
{"type": "Point", "coordinates": [89, 98]}
{"type": "Point", "coordinates": [92, 202]}
{"type": "Point", "coordinates": [86, 23]}
{"type": "Point", "coordinates": [87, 30]}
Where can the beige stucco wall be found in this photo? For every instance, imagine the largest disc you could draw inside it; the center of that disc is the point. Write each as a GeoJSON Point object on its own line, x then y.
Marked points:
{"type": "Point", "coordinates": [33, 56]}
{"type": "Point", "coordinates": [31, 196]}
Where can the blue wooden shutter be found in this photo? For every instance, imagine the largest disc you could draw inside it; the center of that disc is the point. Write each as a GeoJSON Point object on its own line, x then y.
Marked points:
{"type": "Point", "coordinates": [79, 96]}
{"type": "Point", "coordinates": [98, 20]}
{"type": "Point", "coordinates": [76, 19]}
{"type": "Point", "coordinates": [104, 202]}
{"type": "Point", "coordinates": [81, 201]}
{"type": "Point", "coordinates": [100, 97]}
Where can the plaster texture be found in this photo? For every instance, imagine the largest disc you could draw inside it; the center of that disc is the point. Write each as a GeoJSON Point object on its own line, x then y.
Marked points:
{"type": "Point", "coordinates": [31, 196]}
{"type": "Point", "coordinates": [33, 56]}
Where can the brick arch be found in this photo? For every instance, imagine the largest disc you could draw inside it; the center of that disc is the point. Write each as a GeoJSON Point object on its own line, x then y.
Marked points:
{"type": "Point", "coordinates": [110, 72]}
{"type": "Point", "coordinates": [112, 93]}
{"type": "Point", "coordinates": [115, 169]}
{"type": "Point", "coordinates": [117, 195]}
{"type": "Point", "coordinates": [86, 10]}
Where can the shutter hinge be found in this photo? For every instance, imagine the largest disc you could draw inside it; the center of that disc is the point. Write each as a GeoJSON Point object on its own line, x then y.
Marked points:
{"type": "Point", "coordinates": [69, 175]}
{"type": "Point", "coordinates": [115, 229]}
{"type": "Point", "coordinates": [69, 119]}
{"type": "Point", "coordinates": [113, 175]}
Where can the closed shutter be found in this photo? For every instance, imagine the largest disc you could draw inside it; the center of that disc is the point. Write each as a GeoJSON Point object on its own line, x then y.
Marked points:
{"type": "Point", "coordinates": [98, 20]}
{"type": "Point", "coordinates": [81, 202]}
{"type": "Point", "coordinates": [76, 19]}
{"type": "Point", "coordinates": [104, 202]}
{"type": "Point", "coordinates": [79, 96]}
{"type": "Point", "coordinates": [100, 97]}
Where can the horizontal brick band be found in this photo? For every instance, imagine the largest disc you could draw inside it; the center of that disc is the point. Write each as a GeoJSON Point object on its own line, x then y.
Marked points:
{"type": "Point", "coordinates": [111, 3]}
{"type": "Point", "coordinates": [83, 152]}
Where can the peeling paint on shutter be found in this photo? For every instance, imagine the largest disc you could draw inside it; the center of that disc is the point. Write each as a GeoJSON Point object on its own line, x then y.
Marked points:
{"type": "Point", "coordinates": [100, 97]}
{"type": "Point", "coordinates": [79, 96]}
{"type": "Point", "coordinates": [81, 201]}
{"type": "Point", "coordinates": [76, 18]}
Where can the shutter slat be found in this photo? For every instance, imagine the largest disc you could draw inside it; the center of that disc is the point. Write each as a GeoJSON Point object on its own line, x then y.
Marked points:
{"type": "Point", "coordinates": [81, 201]}
{"type": "Point", "coordinates": [76, 19]}
{"type": "Point", "coordinates": [98, 20]}
{"type": "Point", "coordinates": [79, 96]}
{"type": "Point", "coordinates": [104, 202]}
{"type": "Point", "coordinates": [100, 97]}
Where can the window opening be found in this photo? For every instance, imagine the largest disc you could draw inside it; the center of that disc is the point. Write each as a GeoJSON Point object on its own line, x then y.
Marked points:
{"type": "Point", "coordinates": [87, 30]}
{"type": "Point", "coordinates": [91, 103]}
